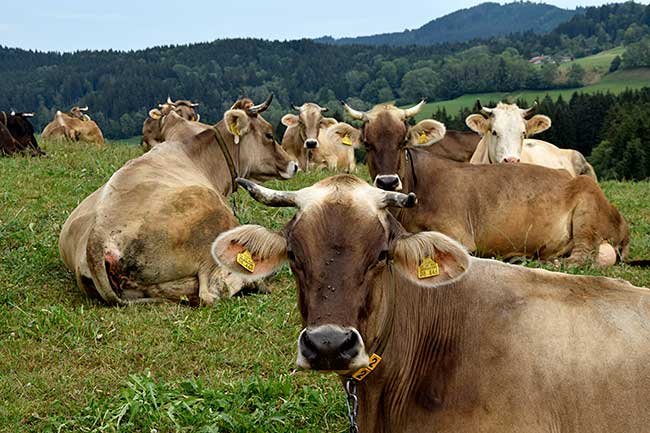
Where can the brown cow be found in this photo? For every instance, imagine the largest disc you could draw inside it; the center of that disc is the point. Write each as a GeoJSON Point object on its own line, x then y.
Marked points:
{"type": "Point", "coordinates": [145, 235]}
{"type": "Point", "coordinates": [17, 134]}
{"type": "Point", "coordinates": [506, 210]}
{"type": "Point", "coordinates": [74, 126]}
{"type": "Point", "coordinates": [456, 146]}
{"type": "Point", "coordinates": [151, 128]}
{"type": "Point", "coordinates": [303, 131]}
{"type": "Point", "coordinates": [8, 146]}
{"type": "Point", "coordinates": [467, 345]}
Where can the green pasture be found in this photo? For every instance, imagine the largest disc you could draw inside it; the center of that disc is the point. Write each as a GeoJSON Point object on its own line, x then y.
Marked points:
{"type": "Point", "coordinates": [599, 62]}
{"type": "Point", "coordinates": [70, 364]}
{"type": "Point", "coordinates": [615, 82]}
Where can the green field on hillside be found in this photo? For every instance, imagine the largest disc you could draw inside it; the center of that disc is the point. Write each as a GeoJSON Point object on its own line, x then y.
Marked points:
{"type": "Point", "coordinates": [70, 364]}
{"type": "Point", "coordinates": [615, 82]}
{"type": "Point", "coordinates": [599, 62]}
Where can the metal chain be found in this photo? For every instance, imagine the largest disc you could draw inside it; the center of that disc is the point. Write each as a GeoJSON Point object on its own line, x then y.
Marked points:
{"type": "Point", "coordinates": [352, 404]}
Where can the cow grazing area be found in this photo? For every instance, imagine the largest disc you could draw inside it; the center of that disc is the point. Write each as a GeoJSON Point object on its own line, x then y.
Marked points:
{"type": "Point", "coordinates": [68, 363]}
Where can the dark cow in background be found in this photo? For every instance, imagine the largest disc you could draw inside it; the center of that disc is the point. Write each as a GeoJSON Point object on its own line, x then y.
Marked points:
{"type": "Point", "coordinates": [502, 210]}
{"type": "Point", "coordinates": [467, 345]}
{"type": "Point", "coordinates": [456, 146]}
{"type": "Point", "coordinates": [152, 126]}
{"type": "Point", "coordinates": [145, 235]}
{"type": "Point", "coordinates": [74, 126]}
{"type": "Point", "coordinates": [22, 132]}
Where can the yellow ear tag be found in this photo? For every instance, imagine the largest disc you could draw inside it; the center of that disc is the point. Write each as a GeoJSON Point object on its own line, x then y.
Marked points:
{"type": "Point", "coordinates": [423, 138]}
{"type": "Point", "coordinates": [233, 128]}
{"type": "Point", "coordinates": [428, 268]}
{"type": "Point", "coordinates": [346, 140]}
{"type": "Point", "coordinates": [245, 259]}
{"type": "Point", "coordinates": [363, 372]}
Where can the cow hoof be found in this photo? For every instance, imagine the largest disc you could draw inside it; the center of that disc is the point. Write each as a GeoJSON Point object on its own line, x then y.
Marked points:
{"type": "Point", "coordinates": [606, 255]}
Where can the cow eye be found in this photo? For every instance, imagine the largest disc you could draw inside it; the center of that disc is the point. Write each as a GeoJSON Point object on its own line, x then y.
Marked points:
{"type": "Point", "coordinates": [494, 133]}
{"type": "Point", "coordinates": [291, 256]}
{"type": "Point", "coordinates": [269, 136]}
{"type": "Point", "coordinates": [383, 256]}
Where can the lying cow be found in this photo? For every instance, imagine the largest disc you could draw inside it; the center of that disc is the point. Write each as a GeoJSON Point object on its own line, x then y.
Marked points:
{"type": "Point", "coordinates": [467, 345]}
{"type": "Point", "coordinates": [152, 130]}
{"type": "Point", "coordinates": [21, 131]}
{"type": "Point", "coordinates": [505, 210]}
{"type": "Point", "coordinates": [319, 141]}
{"type": "Point", "coordinates": [505, 129]}
{"type": "Point", "coordinates": [145, 235]}
{"type": "Point", "coordinates": [74, 126]}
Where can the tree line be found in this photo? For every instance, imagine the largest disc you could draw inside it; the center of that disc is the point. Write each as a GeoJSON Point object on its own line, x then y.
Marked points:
{"type": "Point", "coordinates": [121, 87]}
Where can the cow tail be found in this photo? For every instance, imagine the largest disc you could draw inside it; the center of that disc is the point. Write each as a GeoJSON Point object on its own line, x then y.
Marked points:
{"type": "Point", "coordinates": [96, 259]}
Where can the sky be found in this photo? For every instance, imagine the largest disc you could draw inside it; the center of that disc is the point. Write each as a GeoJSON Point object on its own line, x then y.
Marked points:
{"type": "Point", "coordinates": [64, 25]}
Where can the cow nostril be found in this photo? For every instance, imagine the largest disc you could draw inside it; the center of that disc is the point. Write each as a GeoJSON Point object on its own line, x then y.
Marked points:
{"type": "Point", "coordinates": [311, 144]}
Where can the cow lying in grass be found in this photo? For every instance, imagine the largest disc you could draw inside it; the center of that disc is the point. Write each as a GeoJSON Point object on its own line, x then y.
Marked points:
{"type": "Point", "coordinates": [467, 345]}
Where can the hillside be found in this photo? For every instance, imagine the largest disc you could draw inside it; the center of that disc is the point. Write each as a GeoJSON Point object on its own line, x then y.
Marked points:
{"type": "Point", "coordinates": [482, 21]}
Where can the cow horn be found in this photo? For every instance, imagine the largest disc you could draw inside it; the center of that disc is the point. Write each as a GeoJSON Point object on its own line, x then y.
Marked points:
{"type": "Point", "coordinates": [410, 112]}
{"type": "Point", "coordinates": [198, 117]}
{"type": "Point", "coordinates": [169, 100]}
{"type": "Point", "coordinates": [355, 114]}
{"type": "Point", "coordinates": [484, 110]}
{"type": "Point", "coordinates": [295, 107]}
{"type": "Point", "coordinates": [529, 111]}
{"type": "Point", "coordinates": [267, 196]}
{"type": "Point", "coordinates": [28, 114]}
{"type": "Point", "coordinates": [256, 109]}
{"type": "Point", "coordinates": [84, 108]}
{"type": "Point", "coordinates": [194, 104]}
{"type": "Point", "coordinates": [324, 109]}
{"type": "Point", "coordinates": [398, 199]}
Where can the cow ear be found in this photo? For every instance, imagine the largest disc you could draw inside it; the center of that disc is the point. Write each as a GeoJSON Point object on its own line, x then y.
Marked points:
{"type": "Point", "coordinates": [427, 132]}
{"type": "Point", "coordinates": [155, 114]}
{"type": "Point", "coordinates": [328, 122]}
{"type": "Point", "coordinates": [237, 123]}
{"type": "Point", "coordinates": [251, 251]}
{"type": "Point", "coordinates": [290, 120]}
{"type": "Point", "coordinates": [343, 134]}
{"type": "Point", "coordinates": [537, 124]}
{"type": "Point", "coordinates": [477, 123]}
{"type": "Point", "coordinates": [430, 259]}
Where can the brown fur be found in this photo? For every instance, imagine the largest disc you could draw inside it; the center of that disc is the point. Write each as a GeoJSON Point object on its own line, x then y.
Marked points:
{"type": "Point", "coordinates": [456, 146]}
{"type": "Point", "coordinates": [500, 210]}
{"type": "Point", "coordinates": [152, 128]}
{"type": "Point", "coordinates": [157, 216]}
{"type": "Point", "coordinates": [69, 128]}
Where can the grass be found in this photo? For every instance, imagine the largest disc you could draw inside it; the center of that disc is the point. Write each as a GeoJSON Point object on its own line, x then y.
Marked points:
{"type": "Point", "coordinates": [599, 62]}
{"type": "Point", "coordinates": [71, 364]}
{"type": "Point", "coordinates": [615, 82]}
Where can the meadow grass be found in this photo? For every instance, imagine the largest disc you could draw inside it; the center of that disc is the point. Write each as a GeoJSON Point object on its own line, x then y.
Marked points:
{"type": "Point", "coordinates": [68, 363]}
{"type": "Point", "coordinates": [615, 83]}
{"type": "Point", "coordinates": [599, 62]}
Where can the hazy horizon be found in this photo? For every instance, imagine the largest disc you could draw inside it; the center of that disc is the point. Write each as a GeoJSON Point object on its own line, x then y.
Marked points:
{"type": "Point", "coordinates": [67, 26]}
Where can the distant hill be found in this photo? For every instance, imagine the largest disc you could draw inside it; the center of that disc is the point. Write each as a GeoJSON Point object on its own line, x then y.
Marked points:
{"type": "Point", "coordinates": [478, 22]}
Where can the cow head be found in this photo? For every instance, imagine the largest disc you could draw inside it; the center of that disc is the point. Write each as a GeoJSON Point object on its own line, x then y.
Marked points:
{"type": "Point", "coordinates": [184, 108]}
{"type": "Point", "coordinates": [345, 250]}
{"type": "Point", "coordinates": [386, 133]}
{"type": "Point", "coordinates": [80, 113]}
{"type": "Point", "coordinates": [504, 129]}
{"type": "Point", "coordinates": [310, 120]}
{"type": "Point", "coordinates": [260, 156]}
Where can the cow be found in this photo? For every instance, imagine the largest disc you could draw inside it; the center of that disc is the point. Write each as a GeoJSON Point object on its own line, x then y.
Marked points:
{"type": "Point", "coordinates": [502, 210]}
{"type": "Point", "coordinates": [74, 126]}
{"type": "Point", "coordinates": [456, 145]}
{"type": "Point", "coordinates": [151, 129]}
{"type": "Point", "coordinates": [22, 132]}
{"type": "Point", "coordinates": [505, 129]}
{"type": "Point", "coordinates": [430, 339]}
{"type": "Point", "coordinates": [316, 141]}
{"type": "Point", "coordinates": [145, 235]}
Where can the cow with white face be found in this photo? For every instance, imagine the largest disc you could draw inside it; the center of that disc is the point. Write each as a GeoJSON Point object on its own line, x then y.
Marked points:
{"type": "Point", "coordinates": [505, 130]}
{"type": "Point", "coordinates": [303, 129]}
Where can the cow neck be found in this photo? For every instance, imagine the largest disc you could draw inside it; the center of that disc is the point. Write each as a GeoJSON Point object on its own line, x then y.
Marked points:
{"type": "Point", "coordinates": [379, 345]}
{"type": "Point", "coordinates": [228, 157]}
{"type": "Point", "coordinates": [406, 172]}
{"type": "Point", "coordinates": [4, 117]}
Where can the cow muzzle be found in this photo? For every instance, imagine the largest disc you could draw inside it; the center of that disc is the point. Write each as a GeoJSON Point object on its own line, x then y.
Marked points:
{"type": "Point", "coordinates": [331, 348]}
{"type": "Point", "coordinates": [511, 160]}
{"type": "Point", "coordinates": [310, 143]}
{"type": "Point", "coordinates": [292, 169]}
{"type": "Point", "coordinates": [388, 182]}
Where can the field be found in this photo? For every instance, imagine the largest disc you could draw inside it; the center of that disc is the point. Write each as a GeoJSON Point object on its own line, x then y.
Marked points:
{"type": "Point", "coordinates": [599, 62]}
{"type": "Point", "coordinates": [615, 82]}
{"type": "Point", "coordinates": [71, 364]}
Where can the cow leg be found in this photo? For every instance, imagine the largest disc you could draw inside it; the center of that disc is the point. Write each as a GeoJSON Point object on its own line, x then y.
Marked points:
{"type": "Point", "coordinates": [586, 240]}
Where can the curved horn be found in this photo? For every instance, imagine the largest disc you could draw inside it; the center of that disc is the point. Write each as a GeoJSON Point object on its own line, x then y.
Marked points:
{"type": "Point", "coordinates": [256, 109]}
{"type": "Point", "coordinates": [484, 110]}
{"type": "Point", "coordinates": [267, 196]}
{"type": "Point", "coordinates": [198, 117]}
{"type": "Point", "coordinates": [169, 101]}
{"type": "Point", "coordinates": [194, 104]}
{"type": "Point", "coordinates": [84, 108]}
{"type": "Point", "coordinates": [28, 114]}
{"type": "Point", "coordinates": [295, 107]}
{"type": "Point", "coordinates": [398, 199]}
{"type": "Point", "coordinates": [529, 111]}
{"type": "Point", "coordinates": [355, 114]}
{"type": "Point", "coordinates": [324, 109]}
{"type": "Point", "coordinates": [410, 112]}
